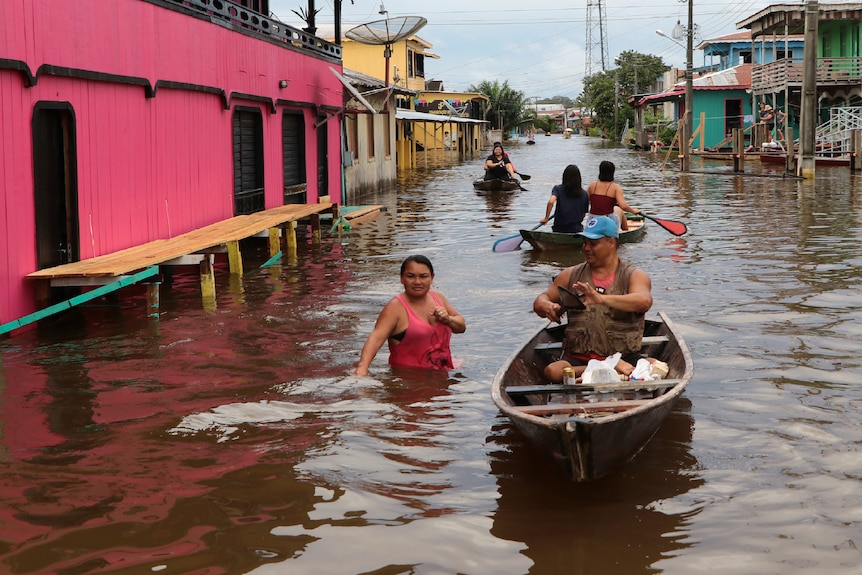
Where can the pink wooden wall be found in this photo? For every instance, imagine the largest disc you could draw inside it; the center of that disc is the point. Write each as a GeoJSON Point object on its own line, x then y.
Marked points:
{"type": "Point", "coordinates": [148, 168]}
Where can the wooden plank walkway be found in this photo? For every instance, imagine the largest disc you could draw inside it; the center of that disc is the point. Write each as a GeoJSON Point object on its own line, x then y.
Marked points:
{"type": "Point", "coordinates": [160, 251]}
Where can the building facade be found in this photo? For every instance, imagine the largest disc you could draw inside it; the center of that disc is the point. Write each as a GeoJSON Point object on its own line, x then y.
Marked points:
{"type": "Point", "coordinates": [129, 121]}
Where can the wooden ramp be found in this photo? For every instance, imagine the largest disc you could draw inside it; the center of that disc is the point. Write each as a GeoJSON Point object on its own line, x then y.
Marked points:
{"type": "Point", "coordinates": [202, 240]}
{"type": "Point", "coordinates": [111, 272]}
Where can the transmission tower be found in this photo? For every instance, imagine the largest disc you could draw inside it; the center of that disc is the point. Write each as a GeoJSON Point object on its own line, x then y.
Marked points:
{"type": "Point", "coordinates": [596, 19]}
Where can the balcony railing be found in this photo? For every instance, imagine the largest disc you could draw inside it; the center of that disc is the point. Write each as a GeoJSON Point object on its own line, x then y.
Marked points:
{"type": "Point", "coordinates": [773, 77]}
{"type": "Point", "coordinates": [249, 19]}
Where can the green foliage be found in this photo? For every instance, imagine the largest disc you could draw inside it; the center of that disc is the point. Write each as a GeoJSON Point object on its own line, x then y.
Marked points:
{"type": "Point", "coordinates": [564, 101]}
{"type": "Point", "coordinates": [545, 123]}
{"type": "Point", "coordinates": [506, 107]}
{"type": "Point", "coordinates": [666, 135]}
{"type": "Point", "coordinates": [606, 93]}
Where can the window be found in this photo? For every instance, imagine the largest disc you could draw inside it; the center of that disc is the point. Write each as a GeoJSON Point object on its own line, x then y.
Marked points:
{"type": "Point", "coordinates": [369, 118]}
{"type": "Point", "coordinates": [248, 161]}
{"type": "Point", "coordinates": [387, 140]}
{"type": "Point", "coordinates": [420, 65]}
{"type": "Point", "coordinates": [353, 135]}
{"type": "Point", "coordinates": [842, 41]}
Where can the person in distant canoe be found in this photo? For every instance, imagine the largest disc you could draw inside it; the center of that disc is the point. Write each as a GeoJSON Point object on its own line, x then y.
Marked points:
{"type": "Point", "coordinates": [571, 201]}
{"type": "Point", "coordinates": [418, 324]}
{"type": "Point", "coordinates": [611, 301]}
{"type": "Point", "coordinates": [498, 166]}
{"type": "Point", "coordinates": [606, 197]}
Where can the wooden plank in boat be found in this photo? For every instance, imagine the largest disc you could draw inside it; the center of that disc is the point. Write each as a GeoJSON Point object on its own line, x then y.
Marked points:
{"type": "Point", "coordinates": [647, 340]}
{"type": "Point", "coordinates": [585, 408]}
{"type": "Point", "coordinates": [603, 387]}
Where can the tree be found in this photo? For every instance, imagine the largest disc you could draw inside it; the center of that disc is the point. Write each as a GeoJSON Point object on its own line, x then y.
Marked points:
{"type": "Point", "coordinates": [506, 107]}
{"type": "Point", "coordinates": [635, 74]}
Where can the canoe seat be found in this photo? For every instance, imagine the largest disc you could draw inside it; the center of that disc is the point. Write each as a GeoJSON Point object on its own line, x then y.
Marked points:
{"type": "Point", "coordinates": [647, 340]}
{"type": "Point", "coordinates": [586, 387]}
{"type": "Point", "coordinates": [582, 408]}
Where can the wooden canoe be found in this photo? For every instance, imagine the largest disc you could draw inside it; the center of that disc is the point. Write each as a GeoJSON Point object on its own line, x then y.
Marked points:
{"type": "Point", "coordinates": [496, 185]}
{"type": "Point", "coordinates": [546, 240]}
{"type": "Point", "coordinates": [589, 430]}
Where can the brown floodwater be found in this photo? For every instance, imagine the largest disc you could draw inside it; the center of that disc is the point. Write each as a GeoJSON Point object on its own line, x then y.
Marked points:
{"type": "Point", "coordinates": [233, 440]}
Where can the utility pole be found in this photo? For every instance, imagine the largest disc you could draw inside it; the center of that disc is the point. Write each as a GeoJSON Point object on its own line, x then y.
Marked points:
{"type": "Point", "coordinates": [807, 121]}
{"type": "Point", "coordinates": [616, 104]}
{"type": "Point", "coordinates": [684, 145]}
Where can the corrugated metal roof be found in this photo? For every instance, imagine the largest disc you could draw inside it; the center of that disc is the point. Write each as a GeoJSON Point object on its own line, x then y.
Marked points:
{"type": "Point", "coordinates": [736, 78]}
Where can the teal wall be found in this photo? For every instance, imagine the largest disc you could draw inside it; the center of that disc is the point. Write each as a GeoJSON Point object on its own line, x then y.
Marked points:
{"type": "Point", "coordinates": [712, 104]}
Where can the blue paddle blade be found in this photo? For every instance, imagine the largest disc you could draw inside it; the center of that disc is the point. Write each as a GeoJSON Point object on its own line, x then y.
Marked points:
{"type": "Point", "coordinates": [509, 244]}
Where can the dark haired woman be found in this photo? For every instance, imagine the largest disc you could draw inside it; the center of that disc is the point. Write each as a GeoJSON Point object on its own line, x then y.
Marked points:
{"type": "Point", "coordinates": [572, 203]}
{"type": "Point", "coordinates": [418, 324]}
{"type": "Point", "coordinates": [498, 166]}
{"type": "Point", "coordinates": [606, 197]}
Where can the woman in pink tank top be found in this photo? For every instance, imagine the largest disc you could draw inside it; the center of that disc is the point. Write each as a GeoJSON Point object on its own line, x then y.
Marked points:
{"type": "Point", "coordinates": [418, 324]}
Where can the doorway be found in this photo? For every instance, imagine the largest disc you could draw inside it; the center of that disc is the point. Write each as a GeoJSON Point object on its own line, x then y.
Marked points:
{"type": "Point", "coordinates": [55, 184]}
{"type": "Point", "coordinates": [733, 115]}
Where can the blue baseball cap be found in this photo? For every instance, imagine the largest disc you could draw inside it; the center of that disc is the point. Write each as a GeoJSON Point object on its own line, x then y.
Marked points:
{"type": "Point", "coordinates": [600, 226]}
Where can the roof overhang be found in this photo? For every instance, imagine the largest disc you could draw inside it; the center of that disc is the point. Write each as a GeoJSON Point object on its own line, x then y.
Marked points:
{"type": "Point", "coordinates": [402, 114]}
{"type": "Point", "coordinates": [790, 18]}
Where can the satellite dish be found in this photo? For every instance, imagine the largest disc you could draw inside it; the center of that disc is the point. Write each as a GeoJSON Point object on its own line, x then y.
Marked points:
{"type": "Point", "coordinates": [385, 33]}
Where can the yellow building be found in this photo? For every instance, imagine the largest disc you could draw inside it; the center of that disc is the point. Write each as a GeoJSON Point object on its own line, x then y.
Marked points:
{"type": "Point", "coordinates": [420, 126]}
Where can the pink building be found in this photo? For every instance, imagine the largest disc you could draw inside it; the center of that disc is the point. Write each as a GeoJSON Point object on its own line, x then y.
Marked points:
{"type": "Point", "coordinates": [128, 121]}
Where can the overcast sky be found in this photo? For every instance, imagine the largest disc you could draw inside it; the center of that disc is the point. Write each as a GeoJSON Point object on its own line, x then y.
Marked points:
{"type": "Point", "coordinates": [538, 46]}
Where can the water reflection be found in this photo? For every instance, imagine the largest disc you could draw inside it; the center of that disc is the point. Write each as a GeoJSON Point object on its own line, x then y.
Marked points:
{"type": "Point", "coordinates": [232, 440]}
{"type": "Point", "coordinates": [618, 525]}
{"type": "Point", "coordinates": [498, 205]}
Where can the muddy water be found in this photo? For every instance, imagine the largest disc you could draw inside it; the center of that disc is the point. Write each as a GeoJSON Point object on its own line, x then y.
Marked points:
{"type": "Point", "coordinates": [233, 440]}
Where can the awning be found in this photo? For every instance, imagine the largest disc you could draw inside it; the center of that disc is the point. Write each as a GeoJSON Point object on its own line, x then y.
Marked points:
{"type": "Point", "coordinates": [402, 114]}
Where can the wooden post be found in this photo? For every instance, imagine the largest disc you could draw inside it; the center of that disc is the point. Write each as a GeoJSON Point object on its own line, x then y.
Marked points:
{"type": "Point", "coordinates": [738, 140]}
{"type": "Point", "coordinates": [315, 227]}
{"type": "Point", "coordinates": [208, 283]}
{"type": "Point", "coordinates": [153, 300]}
{"type": "Point", "coordinates": [234, 257]}
{"type": "Point", "coordinates": [790, 163]}
{"type": "Point", "coordinates": [290, 232]}
{"type": "Point", "coordinates": [856, 151]}
{"type": "Point", "coordinates": [274, 241]}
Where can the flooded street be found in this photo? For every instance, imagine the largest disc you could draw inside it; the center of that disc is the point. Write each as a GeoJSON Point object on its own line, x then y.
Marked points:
{"type": "Point", "coordinates": [234, 440]}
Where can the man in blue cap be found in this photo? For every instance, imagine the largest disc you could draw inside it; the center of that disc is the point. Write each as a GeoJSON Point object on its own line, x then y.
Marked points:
{"type": "Point", "coordinates": [608, 313]}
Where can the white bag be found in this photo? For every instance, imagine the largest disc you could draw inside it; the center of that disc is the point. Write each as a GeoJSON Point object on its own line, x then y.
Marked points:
{"type": "Point", "coordinates": [603, 371]}
{"type": "Point", "coordinates": [643, 371]}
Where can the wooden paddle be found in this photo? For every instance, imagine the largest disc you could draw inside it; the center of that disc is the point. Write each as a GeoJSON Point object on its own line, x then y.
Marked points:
{"type": "Point", "coordinates": [674, 227]}
{"type": "Point", "coordinates": [512, 243]}
{"type": "Point", "coordinates": [524, 177]}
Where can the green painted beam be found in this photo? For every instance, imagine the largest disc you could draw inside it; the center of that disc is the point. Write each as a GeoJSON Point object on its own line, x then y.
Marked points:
{"type": "Point", "coordinates": [274, 260]}
{"type": "Point", "coordinates": [78, 299]}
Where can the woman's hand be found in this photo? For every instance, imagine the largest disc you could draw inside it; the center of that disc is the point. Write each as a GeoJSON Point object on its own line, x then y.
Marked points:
{"type": "Point", "coordinates": [440, 314]}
